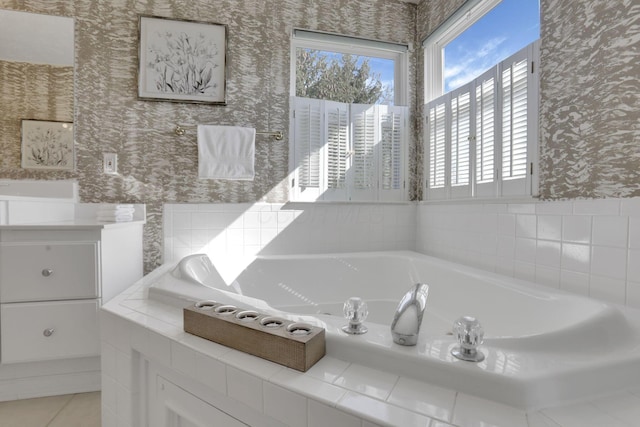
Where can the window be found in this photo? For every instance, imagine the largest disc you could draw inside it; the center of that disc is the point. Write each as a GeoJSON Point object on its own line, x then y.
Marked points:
{"type": "Point", "coordinates": [480, 139]}
{"type": "Point", "coordinates": [476, 37]}
{"type": "Point", "coordinates": [348, 150]}
{"type": "Point", "coordinates": [481, 112]}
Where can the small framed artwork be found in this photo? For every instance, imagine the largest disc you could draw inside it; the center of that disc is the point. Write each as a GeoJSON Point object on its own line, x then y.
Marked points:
{"type": "Point", "coordinates": [47, 145]}
{"type": "Point", "coordinates": [182, 61]}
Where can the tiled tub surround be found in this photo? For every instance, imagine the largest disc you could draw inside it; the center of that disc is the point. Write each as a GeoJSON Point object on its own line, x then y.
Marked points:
{"type": "Point", "coordinates": [313, 288]}
{"type": "Point", "coordinates": [589, 247]}
{"type": "Point", "coordinates": [276, 228]}
{"type": "Point", "coordinates": [143, 344]}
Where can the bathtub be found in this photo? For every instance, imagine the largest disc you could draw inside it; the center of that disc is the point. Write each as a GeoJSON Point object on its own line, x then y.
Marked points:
{"type": "Point", "coordinates": [543, 347]}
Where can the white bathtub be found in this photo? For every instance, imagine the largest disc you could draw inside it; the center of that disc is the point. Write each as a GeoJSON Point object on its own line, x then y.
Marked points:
{"type": "Point", "coordinates": [542, 347]}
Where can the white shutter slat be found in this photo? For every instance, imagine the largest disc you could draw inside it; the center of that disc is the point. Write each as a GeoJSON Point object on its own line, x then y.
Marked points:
{"type": "Point", "coordinates": [336, 150]}
{"type": "Point", "coordinates": [485, 130]}
{"type": "Point", "coordinates": [308, 142]}
{"type": "Point", "coordinates": [514, 119]}
{"type": "Point", "coordinates": [364, 138]}
{"type": "Point", "coordinates": [393, 134]}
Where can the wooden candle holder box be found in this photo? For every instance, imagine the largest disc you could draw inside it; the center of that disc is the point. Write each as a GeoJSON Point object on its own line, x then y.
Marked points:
{"type": "Point", "coordinates": [292, 344]}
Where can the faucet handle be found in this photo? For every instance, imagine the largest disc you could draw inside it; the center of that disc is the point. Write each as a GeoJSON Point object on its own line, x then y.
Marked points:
{"type": "Point", "coordinates": [469, 333]}
{"type": "Point", "coordinates": [356, 312]}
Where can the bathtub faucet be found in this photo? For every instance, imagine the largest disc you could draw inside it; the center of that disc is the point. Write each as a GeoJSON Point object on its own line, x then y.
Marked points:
{"type": "Point", "coordinates": [408, 317]}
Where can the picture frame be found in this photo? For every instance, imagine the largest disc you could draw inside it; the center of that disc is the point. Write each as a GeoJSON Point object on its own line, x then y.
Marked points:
{"type": "Point", "coordinates": [182, 61]}
{"type": "Point", "coordinates": [47, 145]}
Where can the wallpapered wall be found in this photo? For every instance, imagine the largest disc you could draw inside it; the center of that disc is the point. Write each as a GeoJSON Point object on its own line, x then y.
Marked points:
{"type": "Point", "coordinates": [36, 92]}
{"type": "Point", "coordinates": [157, 166]}
{"type": "Point", "coordinates": [589, 95]}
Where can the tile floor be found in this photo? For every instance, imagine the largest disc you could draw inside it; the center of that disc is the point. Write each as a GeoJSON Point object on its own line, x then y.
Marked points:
{"type": "Point", "coordinates": [69, 410]}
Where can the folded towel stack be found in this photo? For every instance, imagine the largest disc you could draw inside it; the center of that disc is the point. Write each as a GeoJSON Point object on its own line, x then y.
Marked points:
{"type": "Point", "coordinates": [115, 213]}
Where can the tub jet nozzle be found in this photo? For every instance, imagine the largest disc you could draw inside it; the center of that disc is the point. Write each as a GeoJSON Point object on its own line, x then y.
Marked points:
{"type": "Point", "coordinates": [356, 312]}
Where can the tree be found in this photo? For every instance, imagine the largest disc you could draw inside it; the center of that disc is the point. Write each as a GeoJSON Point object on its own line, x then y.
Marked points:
{"type": "Point", "coordinates": [335, 77]}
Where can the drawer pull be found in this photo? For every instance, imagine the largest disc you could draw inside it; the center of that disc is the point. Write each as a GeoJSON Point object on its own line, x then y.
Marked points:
{"type": "Point", "coordinates": [47, 272]}
{"type": "Point", "coordinates": [48, 332]}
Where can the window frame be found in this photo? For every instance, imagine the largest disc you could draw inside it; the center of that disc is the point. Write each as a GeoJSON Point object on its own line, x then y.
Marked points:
{"type": "Point", "coordinates": [331, 42]}
{"type": "Point", "coordinates": [433, 46]}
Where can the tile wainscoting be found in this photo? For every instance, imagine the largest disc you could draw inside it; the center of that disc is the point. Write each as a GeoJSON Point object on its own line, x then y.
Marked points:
{"type": "Point", "coordinates": [271, 229]}
{"type": "Point", "coordinates": [589, 247]}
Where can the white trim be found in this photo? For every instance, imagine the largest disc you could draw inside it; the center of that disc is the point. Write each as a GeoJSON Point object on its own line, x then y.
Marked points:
{"type": "Point", "coordinates": [433, 45]}
{"type": "Point", "coordinates": [397, 52]}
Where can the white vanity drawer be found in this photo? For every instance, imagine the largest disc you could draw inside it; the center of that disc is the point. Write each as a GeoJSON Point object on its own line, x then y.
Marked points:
{"type": "Point", "coordinates": [39, 271]}
{"type": "Point", "coordinates": [49, 330]}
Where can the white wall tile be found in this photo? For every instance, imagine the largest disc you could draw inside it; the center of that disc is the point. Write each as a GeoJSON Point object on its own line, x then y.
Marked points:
{"type": "Point", "coordinates": [634, 232]}
{"type": "Point", "coordinates": [609, 262]}
{"type": "Point", "coordinates": [576, 228]}
{"type": "Point", "coordinates": [367, 407]}
{"type": "Point", "coordinates": [549, 227]}
{"type": "Point", "coordinates": [526, 250]}
{"type": "Point", "coordinates": [576, 257]}
{"type": "Point", "coordinates": [526, 226]}
{"type": "Point", "coordinates": [245, 388]}
{"type": "Point", "coordinates": [607, 289]}
{"type": "Point", "coordinates": [435, 402]}
{"type": "Point", "coordinates": [548, 276]}
{"type": "Point", "coordinates": [571, 281]}
{"type": "Point", "coordinates": [633, 294]}
{"type": "Point", "coordinates": [507, 224]}
{"type": "Point", "coordinates": [285, 406]}
{"type": "Point", "coordinates": [582, 415]}
{"type": "Point", "coordinates": [548, 253]}
{"type": "Point", "coordinates": [596, 207]}
{"type": "Point", "coordinates": [624, 407]}
{"type": "Point", "coordinates": [365, 380]}
{"type": "Point", "coordinates": [472, 411]}
{"type": "Point", "coordinates": [183, 359]}
{"type": "Point", "coordinates": [610, 231]}
{"type": "Point", "coordinates": [211, 372]}
{"type": "Point", "coordinates": [321, 415]}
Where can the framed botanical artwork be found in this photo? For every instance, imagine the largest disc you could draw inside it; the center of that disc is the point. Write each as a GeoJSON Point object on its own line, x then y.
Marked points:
{"type": "Point", "coordinates": [47, 145]}
{"type": "Point", "coordinates": [182, 61]}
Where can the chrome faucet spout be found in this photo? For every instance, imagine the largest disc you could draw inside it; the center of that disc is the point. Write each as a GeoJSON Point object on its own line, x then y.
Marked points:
{"type": "Point", "coordinates": [408, 316]}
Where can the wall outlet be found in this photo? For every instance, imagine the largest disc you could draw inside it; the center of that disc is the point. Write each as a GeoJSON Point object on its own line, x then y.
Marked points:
{"type": "Point", "coordinates": [110, 163]}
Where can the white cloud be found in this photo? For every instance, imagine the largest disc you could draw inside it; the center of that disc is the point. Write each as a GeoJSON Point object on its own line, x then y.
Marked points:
{"type": "Point", "coordinates": [474, 62]}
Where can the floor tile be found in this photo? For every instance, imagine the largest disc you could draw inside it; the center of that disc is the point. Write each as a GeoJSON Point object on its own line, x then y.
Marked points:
{"type": "Point", "coordinates": [32, 412]}
{"type": "Point", "coordinates": [83, 410]}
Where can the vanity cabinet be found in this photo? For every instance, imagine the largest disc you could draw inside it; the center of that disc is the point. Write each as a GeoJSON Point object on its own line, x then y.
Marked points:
{"type": "Point", "coordinates": [53, 280]}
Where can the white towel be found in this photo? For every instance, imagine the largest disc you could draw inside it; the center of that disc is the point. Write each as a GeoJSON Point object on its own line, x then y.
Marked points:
{"type": "Point", "coordinates": [114, 217]}
{"type": "Point", "coordinates": [226, 152]}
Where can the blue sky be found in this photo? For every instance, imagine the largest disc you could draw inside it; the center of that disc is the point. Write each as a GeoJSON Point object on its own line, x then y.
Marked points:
{"type": "Point", "coordinates": [507, 28]}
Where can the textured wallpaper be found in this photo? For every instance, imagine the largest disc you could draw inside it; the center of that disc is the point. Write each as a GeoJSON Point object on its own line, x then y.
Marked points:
{"type": "Point", "coordinates": [35, 92]}
{"type": "Point", "coordinates": [590, 93]}
{"type": "Point", "coordinates": [155, 165]}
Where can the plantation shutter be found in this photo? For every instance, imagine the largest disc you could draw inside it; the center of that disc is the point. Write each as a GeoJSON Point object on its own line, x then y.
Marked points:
{"type": "Point", "coordinates": [308, 142]}
{"type": "Point", "coordinates": [519, 103]}
{"type": "Point", "coordinates": [336, 149]}
{"type": "Point", "coordinates": [481, 139]}
{"type": "Point", "coordinates": [485, 133]}
{"type": "Point", "coordinates": [436, 143]}
{"type": "Point", "coordinates": [393, 125]}
{"type": "Point", "coordinates": [364, 140]}
{"type": "Point", "coordinates": [460, 137]}
{"type": "Point", "coordinates": [348, 151]}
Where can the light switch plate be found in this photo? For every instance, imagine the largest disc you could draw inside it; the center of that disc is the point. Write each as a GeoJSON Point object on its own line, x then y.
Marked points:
{"type": "Point", "coordinates": [110, 163]}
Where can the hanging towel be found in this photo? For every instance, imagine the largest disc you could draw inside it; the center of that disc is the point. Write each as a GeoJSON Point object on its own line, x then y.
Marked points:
{"type": "Point", "coordinates": [226, 152]}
